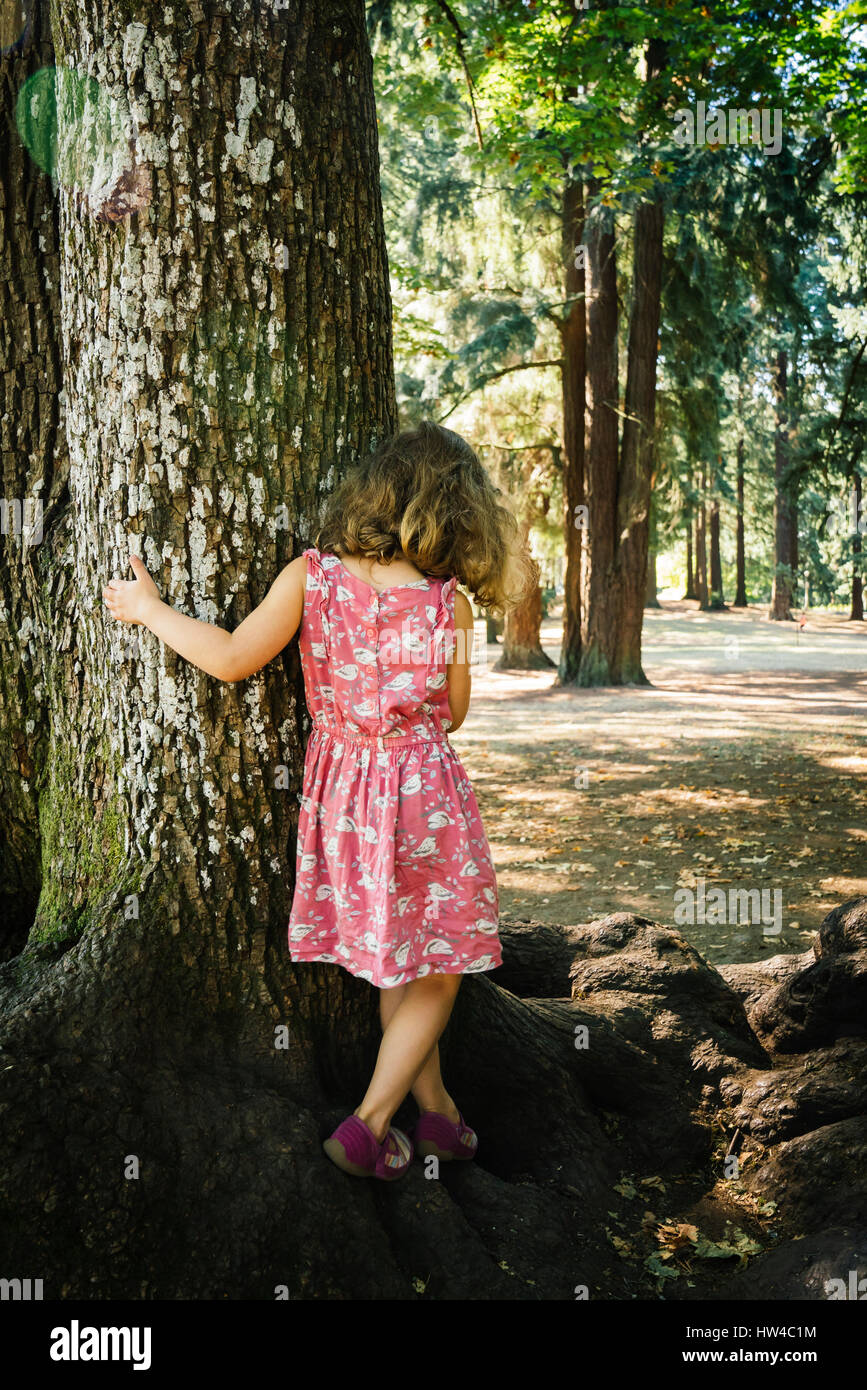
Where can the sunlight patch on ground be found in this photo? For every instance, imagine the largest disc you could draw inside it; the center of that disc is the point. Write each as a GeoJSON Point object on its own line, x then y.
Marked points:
{"type": "Point", "coordinates": [741, 771]}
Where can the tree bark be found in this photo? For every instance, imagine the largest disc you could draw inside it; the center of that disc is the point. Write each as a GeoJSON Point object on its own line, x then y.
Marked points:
{"type": "Point", "coordinates": [701, 575]}
{"type": "Point", "coordinates": [522, 647]}
{"type": "Point", "coordinates": [573, 348]}
{"type": "Point", "coordinates": [857, 611]}
{"type": "Point", "coordinates": [639, 418]}
{"type": "Point", "coordinates": [600, 600]}
{"type": "Point", "coordinates": [522, 643]}
{"type": "Point", "coordinates": [785, 516]}
{"type": "Point", "coordinates": [740, 562]}
{"type": "Point", "coordinates": [35, 463]}
{"type": "Point", "coordinates": [223, 352]}
{"type": "Point", "coordinates": [691, 591]}
{"type": "Point", "coordinates": [636, 463]}
{"type": "Point", "coordinates": [617, 490]}
{"type": "Point", "coordinates": [717, 598]}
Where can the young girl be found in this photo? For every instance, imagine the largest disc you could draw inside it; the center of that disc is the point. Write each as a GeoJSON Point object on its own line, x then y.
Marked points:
{"type": "Point", "coordinates": [394, 878]}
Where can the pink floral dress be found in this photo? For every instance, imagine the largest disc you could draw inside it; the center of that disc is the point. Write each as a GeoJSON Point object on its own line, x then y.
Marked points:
{"type": "Point", "coordinates": [394, 877]}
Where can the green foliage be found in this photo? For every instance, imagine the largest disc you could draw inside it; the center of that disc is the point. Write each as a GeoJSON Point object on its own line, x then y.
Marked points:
{"type": "Point", "coordinates": [487, 113]}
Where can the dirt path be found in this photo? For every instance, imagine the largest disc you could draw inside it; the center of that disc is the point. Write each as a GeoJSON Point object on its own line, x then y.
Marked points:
{"type": "Point", "coordinates": [741, 768]}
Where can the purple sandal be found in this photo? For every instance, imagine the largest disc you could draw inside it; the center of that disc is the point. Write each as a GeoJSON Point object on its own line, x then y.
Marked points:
{"type": "Point", "coordinates": [355, 1148]}
{"type": "Point", "coordinates": [436, 1134]}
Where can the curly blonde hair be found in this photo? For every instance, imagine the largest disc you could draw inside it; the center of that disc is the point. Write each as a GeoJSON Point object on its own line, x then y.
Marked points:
{"type": "Point", "coordinates": [423, 495]}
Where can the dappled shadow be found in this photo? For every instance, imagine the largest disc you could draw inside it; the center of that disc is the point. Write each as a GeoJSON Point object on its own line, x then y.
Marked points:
{"type": "Point", "coordinates": [598, 801]}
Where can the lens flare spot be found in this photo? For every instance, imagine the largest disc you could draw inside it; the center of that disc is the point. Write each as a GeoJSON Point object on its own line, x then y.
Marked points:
{"type": "Point", "coordinates": [82, 137]}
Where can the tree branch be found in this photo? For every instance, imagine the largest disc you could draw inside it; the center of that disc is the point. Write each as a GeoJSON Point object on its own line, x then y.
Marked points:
{"type": "Point", "coordinates": [520, 367]}
{"type": "Point", "coordinates": [459, 45]}
{"type": "Point", "coordinates": [503, 371]}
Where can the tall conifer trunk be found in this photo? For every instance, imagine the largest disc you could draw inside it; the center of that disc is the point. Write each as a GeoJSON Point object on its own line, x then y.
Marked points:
{"type": "Point", "coordinates": [702, 589]}
{"type": "Point", "coordinates": [573, 346]}
{"type": "Point", "coordinates": [690, 591]}
{"type": "Point", "coordinates": [600, 594]}
{"type": "Point", "coordinates": [741, 573]}
{"type": "Point", "coordinates": [639, 414]}
{"type": "Point", "coordinates": [857, 609]}
{"type": "Point", "coordinates": [522, 646]}
{"type": "Point", "coordinates": [717, 598]}
{"type": "Point", "coordinates": [618, 473]}
{"type": "Point", "coordinates": [637, 447]}
{"type": "Point", "coordinates": [785, 514]}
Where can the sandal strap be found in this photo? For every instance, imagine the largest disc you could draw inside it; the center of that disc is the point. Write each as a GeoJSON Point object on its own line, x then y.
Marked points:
{"type": "Point", "coordinates": [396, 1149]}
{"type": "Point", "coordinates": [398, 1143]}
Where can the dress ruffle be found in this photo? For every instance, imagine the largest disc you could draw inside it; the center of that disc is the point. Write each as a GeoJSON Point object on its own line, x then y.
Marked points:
{"type": "Point", "coordinates": [318, 595]}
{"type": "Point", "coordinates": [445, 620]}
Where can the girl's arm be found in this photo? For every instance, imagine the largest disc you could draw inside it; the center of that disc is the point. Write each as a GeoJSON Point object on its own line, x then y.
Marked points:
{"type": "Point", "coordinates": [229, 656]}
{"type": "Point", "coordinates": [458, 670]}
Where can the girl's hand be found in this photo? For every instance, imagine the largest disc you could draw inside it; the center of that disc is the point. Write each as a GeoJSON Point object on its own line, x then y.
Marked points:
{"type": "Point", "coordinates": [128, 599]}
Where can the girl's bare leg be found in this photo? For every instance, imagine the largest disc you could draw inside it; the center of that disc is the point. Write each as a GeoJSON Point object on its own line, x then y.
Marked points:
{"type": "Point", "coordinates": [428, 1088]}
{"type": "Point", "coordinates": [407, 1047]}
{"type": "Point", "coordinates": [389, 999]}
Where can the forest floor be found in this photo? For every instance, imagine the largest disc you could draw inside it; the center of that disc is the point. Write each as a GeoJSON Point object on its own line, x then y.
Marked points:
{"type": "Point", "coordinates": [741, 767]}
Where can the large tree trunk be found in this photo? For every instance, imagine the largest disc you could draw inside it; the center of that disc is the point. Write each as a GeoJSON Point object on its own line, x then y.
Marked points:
{"type": "Point", "coordinates": [702, 590]}
{"type": "Point", "coordinates": [785, 522]}
{"type": "Point", "coordinates": [573, 348]}
{"type": "Point", "coordinates": [740, 561]}
{"type": "Point", "coordinates": [522, 643]}
{"type": "Point", "coordinates": [617, 488]}
{"type": "Point", "coordinates": [224, 352]}
{"type": "Point", "coordinates": [599, 596]}
{"type": "Point", "coordinates": [857, 611]}
{"type": "Point", "coordinates": [638, 440]}
{"type": "Point", "coordinates": [690, 568]}
{"type": "Point", "coordinates": [637, 449]}
{"type": "Point", "coordinates": [35, 474]}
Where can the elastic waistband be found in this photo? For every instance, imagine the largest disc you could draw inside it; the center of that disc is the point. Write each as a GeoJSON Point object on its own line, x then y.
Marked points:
{"type": "Point", "coordinates": [383, 741]}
